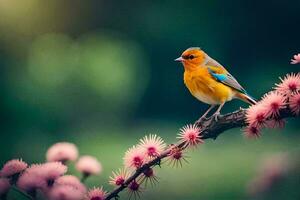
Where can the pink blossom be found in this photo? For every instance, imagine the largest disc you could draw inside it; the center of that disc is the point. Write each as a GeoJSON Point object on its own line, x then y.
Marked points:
{"type": "Point", "coordinates": [31, 180]}
{"type": "Point", "coordinates": [96, 194]}
{"type": "Point", "coordinates": [153, 145]}
{"type": "Point", "coordinates": [88, 165]}
{"type": "Point", "coordinates": [276, 123]}
{"type": "Point", "coordinates": [65, 192]}
{"type": "Point", "coordinates": [62, 151]}
{"type": "Point", "coordinates": [256, 115]}
{"type": "Point", "coordinates": [272, 102]}
{"type": "Point", "coordinates": [119, 177]}
{"type": "Point", "coordinates": [289, 84]}
{"type": "Point", "coordinates": [190, 134]}
{"type": "Point", "coordinates": [294, 103]}
{"type": "Point", "coordinates": [4, 186]}
{"type": "Point", "coordinates": [51, 171]}
{"type": "Point", "coordinates": [252, 132]}
{"type": "Point", "coordinates": [13, 167]}
{"type": "Point", "coordinates": [134, 189]}
{"type": "Point", "coordinates": [70, 180]}
{"type": "Point", "coordinates": [176, 156]}
{"type": "Point", "coordinates": [134, 157]}
{"type": "Point", "coordinates": [271, 170]}
{"type": "Point", "coordinates": [149, 176]}
{"type": "Point", "coordinates": [296, 59]}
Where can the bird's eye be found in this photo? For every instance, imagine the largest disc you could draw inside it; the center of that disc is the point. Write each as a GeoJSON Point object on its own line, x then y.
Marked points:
{"type": "Point", "coordinates": [191, 57]}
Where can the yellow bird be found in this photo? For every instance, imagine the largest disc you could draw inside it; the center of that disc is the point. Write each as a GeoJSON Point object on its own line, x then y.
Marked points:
{"type": "Point", "coordinates": [209, 81]}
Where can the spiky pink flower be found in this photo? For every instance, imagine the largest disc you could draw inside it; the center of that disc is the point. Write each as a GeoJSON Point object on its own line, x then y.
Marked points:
{"type": "Point", "coordinates": [62, 151]}
{"type": "Point", "coordinates": [289, 84]}
{"type": "Point", "coordinates": [256, 115]}
{"type": "Point", "coordinates": [252, 132]}
{"type": "Point", "coordinates": [96, 194]}
{"type": "Point", "coordinates": [149, 176]}
{"type": "Point", "coordinates": [119, 177]}
{"type": "Point", "coordinates": [134, 157]}
{"type": "Point", "coordinates": [51, 171]}
{"type": "Point", "coordinates": [4, 186]}
{"type": "Point", "coordinates": [88, 165]}
{"type": "Point", "coordinates": [134, 189]}
{"type": "Point", "coordinates": [13, 167]}
{"type": "Point", "coordinates": [296, 59]}
{"type": "Point", "coordinates": [176, 156]}
{"type": "Point", "coordinates": [153, 145]}
{"type": "Point", "coordinates": [65, 192]}
{"type": "Point", "coordinates": [275, 123]}
{"type": "Point", "coordinates": [190, 134]}
{"type": "Point", "coordinates": [294, 103]}
{"type": "Point", "coordinates": [31, 180]}
{"type": "Point", "coordinates": [272, 102]}
{"type": "Point", "coordinates": [70, 180]}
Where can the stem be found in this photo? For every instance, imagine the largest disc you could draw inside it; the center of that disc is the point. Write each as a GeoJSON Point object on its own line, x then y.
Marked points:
{"type": "Point", "coordinates": [84, 177]}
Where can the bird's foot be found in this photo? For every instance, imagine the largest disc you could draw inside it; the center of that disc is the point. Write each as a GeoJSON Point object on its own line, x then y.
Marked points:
{"type": "Point", "coordinates": [216, 116]}
{"type": "Point", "coordinates": [200, 120]}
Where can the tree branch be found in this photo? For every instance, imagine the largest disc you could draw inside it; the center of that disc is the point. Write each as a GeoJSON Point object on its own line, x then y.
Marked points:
{"type": "Point", "coordinates": [209, 129]}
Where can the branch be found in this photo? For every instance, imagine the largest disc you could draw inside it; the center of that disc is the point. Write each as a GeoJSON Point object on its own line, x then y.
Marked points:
{"type": "Point", "coordinates": [209, 129]}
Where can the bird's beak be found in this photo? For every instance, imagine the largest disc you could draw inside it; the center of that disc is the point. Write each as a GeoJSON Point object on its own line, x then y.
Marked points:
{"type": "Point", "coordinates": [180, 59]}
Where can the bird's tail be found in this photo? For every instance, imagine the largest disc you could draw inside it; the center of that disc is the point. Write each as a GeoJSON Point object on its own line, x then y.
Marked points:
{"type": "Point", "coordinates": [246, 98]}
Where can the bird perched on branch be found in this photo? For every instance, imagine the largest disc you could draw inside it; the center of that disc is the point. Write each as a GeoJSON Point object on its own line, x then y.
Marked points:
{"type": "Point", "coordinates": [209, 81]}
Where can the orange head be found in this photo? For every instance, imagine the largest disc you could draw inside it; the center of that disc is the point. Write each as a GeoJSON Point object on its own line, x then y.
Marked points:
{"type": "Point", "coordinates": [192, 58]}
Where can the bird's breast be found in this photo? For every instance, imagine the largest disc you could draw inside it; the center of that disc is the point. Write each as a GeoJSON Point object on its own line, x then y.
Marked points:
{"type": "Point", "coordinates": [206, 89]}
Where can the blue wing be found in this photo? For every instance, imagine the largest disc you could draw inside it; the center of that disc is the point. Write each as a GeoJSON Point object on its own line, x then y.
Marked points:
{"type": "Point", "coordinates": [227, 79]}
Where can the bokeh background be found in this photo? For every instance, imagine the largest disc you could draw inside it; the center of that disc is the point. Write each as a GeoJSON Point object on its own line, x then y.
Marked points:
{"type": "Point", "coordinates": [101, 74]}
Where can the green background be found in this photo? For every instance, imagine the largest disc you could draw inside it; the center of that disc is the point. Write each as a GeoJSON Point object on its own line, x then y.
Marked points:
{"type": "Point", "coordinates": [102, 74]}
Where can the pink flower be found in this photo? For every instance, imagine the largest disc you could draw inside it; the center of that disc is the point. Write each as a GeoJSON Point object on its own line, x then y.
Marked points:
{"type": "Point", "coordinates": [96, 194]}
{"type": "Point", "coordinates": [296, 59]}
{"type": "Point", "coordinates": [62, 151]}
{"type": "Point", "coordinates": [276, 123]}
{"type": "Point", "coordinates": [289, 84]}
{"type": "Point", "coordinates": [70, 180]}
{"type": "Point", "coordinates": [256, 115]}
{"type": "Point", "coordinates": [190, 134]}
{"type": "Point", "coordinates": [51, 171]}
{"type": "Point", "coordinates": [252, 132]}
{"type": "Point", "coordinates": [153, 145]}
{"type": "Point", "coordinates": [294, 103]}
{"type": "Point", "coordinates": [31, 180]}
{"type": "Point", "coordinates": [65, 192]}
{"type": "Point", "coordinates": [272, 169]}
{"type": "Point", "coordinates": [272, 103]}
{"type": "Point", "coordinates": [119, 177]}
{"type": "Point", "coordinates": [4, 186]}
{"type": "Point", "coordinates": [88, 165]}
{"type": "Point", "coordinates": [134, 157]}
{"type": "Point", "coordinates": [149, 176]}
{"type": "Point", "coordinates": [13, 167]}
{"type": "Point", "coordinates": [134, 189]}
{"type": "Point", "coordinates": [176, 157]}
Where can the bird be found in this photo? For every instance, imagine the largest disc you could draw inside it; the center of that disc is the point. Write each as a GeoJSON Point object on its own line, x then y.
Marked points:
{"type": "Point", "coordinates": [209, 82]}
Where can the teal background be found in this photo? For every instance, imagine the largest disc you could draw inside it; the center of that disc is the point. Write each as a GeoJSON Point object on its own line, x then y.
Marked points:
{"type": "Point", "coordinates": [102, 74]}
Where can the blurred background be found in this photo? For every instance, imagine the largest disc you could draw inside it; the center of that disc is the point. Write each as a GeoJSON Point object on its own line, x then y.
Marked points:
{"type": "Point", "coordinates": [101, 74]}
